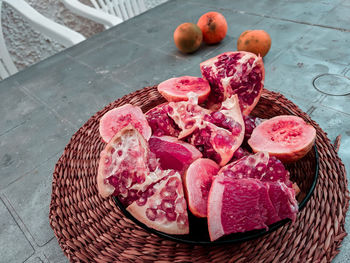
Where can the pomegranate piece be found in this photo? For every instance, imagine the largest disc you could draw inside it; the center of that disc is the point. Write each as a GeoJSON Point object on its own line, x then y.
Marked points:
{"type": "Point", "coordinates": [229, 117]}
{"type": "Point", "coordinates": [251, 166]}
{"type": "Point", "coordinates": [258, 166]}
{"type": "Point", "coordinates": [240, 153]}
{"type": "Point", "coordinates": [240, 73]}
{"type": "Point", "coordinates": [116, 119]}
{"type": "Point", "coordinates": [187, 115]}
{"type": "Point", "coordinates": [215, 143]}
{"type": "Point", "coordinates": [283, 199]}
{"type": "Point", "coordinates": [160, 123]}
{"type": "Point", "coordinates": [198, 179]}
{"type": "Point", "coordinates": [216, 134]}
{"type": "Point", "coordinates": [276, 196]}
{"type": "Point", "coordinates": [234, 206]}
{"type": "Point", "coordinates": [239, 205]}
{"type": "Point", "coordinates": [124, 166]}
{"type": "Point", "coordinates": [287, 137]}
{"type": "Point", "coordinates": [276, 172]}
{"type": "Point", "coordinates": [250, 124]}
{"type": "Point", "coordinates": [172, 153]}
{"type": "Point", "coordinates": [163, 206]}
{"type": "Point", "coordinates": [177, 89]}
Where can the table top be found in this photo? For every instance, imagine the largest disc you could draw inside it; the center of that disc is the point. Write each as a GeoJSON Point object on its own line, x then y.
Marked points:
{"type": "Point", "coordinates": [44, 105]}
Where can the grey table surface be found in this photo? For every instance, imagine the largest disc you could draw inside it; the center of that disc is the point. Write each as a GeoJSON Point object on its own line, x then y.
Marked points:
{"type": "Point", "coordinates": [44, 105]}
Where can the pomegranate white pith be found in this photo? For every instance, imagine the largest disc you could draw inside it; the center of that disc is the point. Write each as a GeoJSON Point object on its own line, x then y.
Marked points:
{"type": "Point", "coordinates": [165, 208]}
{"type": "Point", "coordinates": [123, 163]}
{"type": "Point", "coordinates": [187, 116]}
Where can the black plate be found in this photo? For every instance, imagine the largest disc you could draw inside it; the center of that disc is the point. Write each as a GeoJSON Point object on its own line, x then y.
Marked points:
{"type": "Point", "coordinates": [198, 236]}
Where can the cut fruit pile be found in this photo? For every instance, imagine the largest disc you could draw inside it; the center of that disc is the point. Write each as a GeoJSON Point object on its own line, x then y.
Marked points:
{"type": "Point", "coordinates": [212, 158]}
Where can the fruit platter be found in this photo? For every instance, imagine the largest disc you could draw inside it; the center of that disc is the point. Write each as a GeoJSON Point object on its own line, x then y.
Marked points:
{"type": "Point", "coordinates": [207, 162]}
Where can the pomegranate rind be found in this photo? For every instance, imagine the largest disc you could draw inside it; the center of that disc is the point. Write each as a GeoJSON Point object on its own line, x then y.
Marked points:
{"type": "Point", "coordinates": [154, 203]}
{"type": "Point", "coordinates": [226, 73]}
{"type": "Point", "coordinates": [177, 89]}
{"type": "Point", "coordinates": [288, 138]}
{"type": "Point", "coordinates": [173, 153]}
{"type": "Point", "coordinates": [110, 163]}
{"type": "Point", "coordinates": [214, 208]}
{"type": "Point", "coordinates": [225, 150]}
{"type": "Point", "coordinates": [197, 181]}
{"type": "Point", "coordinates": [230, 108]}
{"type": "Point", "coordinates": [118, 118]}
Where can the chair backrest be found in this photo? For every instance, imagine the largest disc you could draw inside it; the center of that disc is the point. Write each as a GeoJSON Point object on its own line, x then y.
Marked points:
{"type": "Point", "coordinates": [7, 67]}
{"type": "Point", "coordinates": [124, 9]}
{"type": "Point", "coordinates": [60, 33]}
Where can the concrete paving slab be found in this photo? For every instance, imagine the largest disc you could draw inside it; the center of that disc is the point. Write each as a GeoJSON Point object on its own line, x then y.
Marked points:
{"type": "Point", "coordinates": [259, 8]}
{"type": "Point", "coordinates": [126, 53]}
{"type": "Point", "coordinates": [303, 11]}
{"type": "Point", "coordinates": [151, 33]}
{"type": "Point", "coordinates": [338, 17]}
{"type": "Point", "coordinates": [148, 70]}
{"type": "Point", "coordinates": [293, 73]}
{"type": "Point", "coordinates": [91, 95]}
{"type": "Point", "coordinates": [325, 44]}
{"type": "Point", "coordinates": [54, 253]}
{"type": "Point", "coordinates": [16, 108]}
{"type": "Point", "coordinates": [30, 197]}
{"type": "Point", "coordinates": [284, 34]}
{"type": "Point", "coordinates": [340, 103]}
{"type": "Point", "coordinates": [21, 151]}
{"type": "Point", "coordinates": [161, 14]}
{"type": "Point", "coordinates": [14, 247]}
{"type": "Point", "coordinates": [33, 259]}
{"type": "Point", "coordinates": [56, 91]}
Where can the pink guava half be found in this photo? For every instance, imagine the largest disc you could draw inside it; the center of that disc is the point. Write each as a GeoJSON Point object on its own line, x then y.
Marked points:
{"type": "Point", "coordinates": [197, 180]}
{"type": "Point", "coordinates": [177, 89]}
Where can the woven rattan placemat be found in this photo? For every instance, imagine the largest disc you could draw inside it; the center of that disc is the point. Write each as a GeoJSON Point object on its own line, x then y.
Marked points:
{"type": "Point", "coordinates": [92, 229]}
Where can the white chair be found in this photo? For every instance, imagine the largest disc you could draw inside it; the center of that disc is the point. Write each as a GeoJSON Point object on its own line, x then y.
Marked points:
{"type": "Point", "coordinates": [107, 12]}
{"type": "Point", "coordinates": [61, 34]}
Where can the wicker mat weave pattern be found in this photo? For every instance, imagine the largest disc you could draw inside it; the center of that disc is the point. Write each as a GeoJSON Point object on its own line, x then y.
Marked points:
{"type": "Point", "coordinates": [92, 229]}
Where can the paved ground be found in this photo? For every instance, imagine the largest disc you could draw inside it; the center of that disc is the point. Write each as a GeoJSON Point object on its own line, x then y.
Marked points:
{"type": "Point", "coordinates": [27, 46]}
{"type": "Point", "coordinates": [307, 41]}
